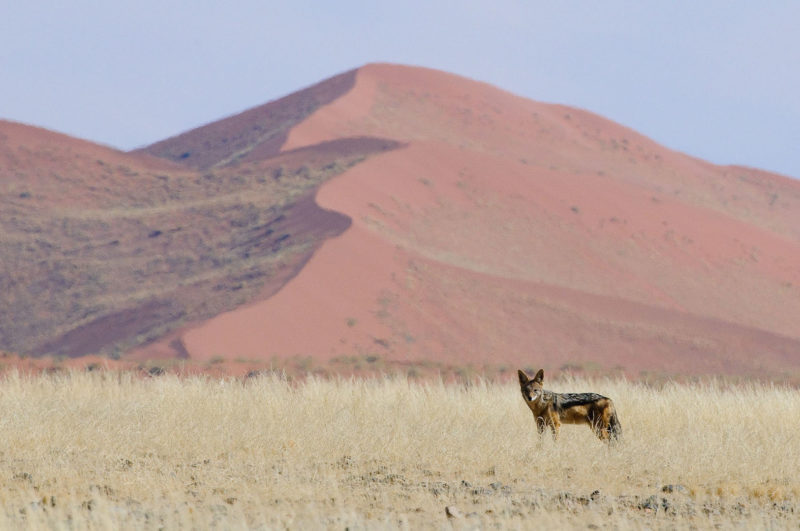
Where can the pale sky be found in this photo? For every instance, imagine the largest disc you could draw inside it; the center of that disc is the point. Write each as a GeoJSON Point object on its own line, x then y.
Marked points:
{"type": "Point", "coordinates": [716, 79]}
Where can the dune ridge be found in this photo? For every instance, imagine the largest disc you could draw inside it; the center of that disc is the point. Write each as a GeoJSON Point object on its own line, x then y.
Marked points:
{"type": "Point", "coordinates": [514, 231]}
{"type": "Point", "coordinates": [400, 213]}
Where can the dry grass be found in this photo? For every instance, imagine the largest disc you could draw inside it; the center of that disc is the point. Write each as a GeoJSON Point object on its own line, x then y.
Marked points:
{"type": "Point", "coordinates": [112, 450]}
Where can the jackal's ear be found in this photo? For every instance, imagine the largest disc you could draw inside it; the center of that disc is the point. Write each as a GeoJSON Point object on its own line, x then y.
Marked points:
{"type": "Point", "coordinates": [539, 376]}
{"type": "Point", "coordinates": [523, 378]}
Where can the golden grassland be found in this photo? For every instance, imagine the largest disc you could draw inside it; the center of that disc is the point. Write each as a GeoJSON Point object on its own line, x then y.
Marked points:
{"type": "Point", "coordinates": [111, 449]}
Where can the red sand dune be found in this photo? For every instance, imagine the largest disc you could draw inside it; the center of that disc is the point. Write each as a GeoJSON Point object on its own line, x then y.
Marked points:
{"type": "Point", "coordinates": [485, 229]}
{"type": "Point", "coordinates": [508, 231]}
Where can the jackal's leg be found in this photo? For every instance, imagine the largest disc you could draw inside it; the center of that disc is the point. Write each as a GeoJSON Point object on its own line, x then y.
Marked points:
{"type": "Point", "coordinates": [602, 427]}
{"type": "Point", "coordinates": [596, 425]}
{"type": "Point", "coordinates": [555, 425]}
{"type": "Point", "coordinates": [601, 432]}
{"type": "Point", "coordinates": [540, 425]}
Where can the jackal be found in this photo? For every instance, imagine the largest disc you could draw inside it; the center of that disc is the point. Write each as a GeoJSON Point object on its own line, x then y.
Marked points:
{"type": "Point", "coordinates": [552, 409]}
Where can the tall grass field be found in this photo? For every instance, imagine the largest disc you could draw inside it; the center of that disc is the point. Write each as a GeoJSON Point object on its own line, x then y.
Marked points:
{"type": "Point", "coordinates": [105, 450]}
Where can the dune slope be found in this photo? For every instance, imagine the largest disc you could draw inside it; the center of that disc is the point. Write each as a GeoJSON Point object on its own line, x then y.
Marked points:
{"type": "Point", "coordinates": [405, 214]}
{"type": "Point", "coordinates": [508, 231]}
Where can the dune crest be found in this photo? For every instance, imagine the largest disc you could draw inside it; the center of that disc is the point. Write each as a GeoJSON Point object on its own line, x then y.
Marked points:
{"type": "Point", "coordinates": [510, 231]}
{"type": "Point", "coordinates": [405, 214]}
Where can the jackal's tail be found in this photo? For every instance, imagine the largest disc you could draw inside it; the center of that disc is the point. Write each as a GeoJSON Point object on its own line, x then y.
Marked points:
{"type": "Point", "coordinates": [614, 427]}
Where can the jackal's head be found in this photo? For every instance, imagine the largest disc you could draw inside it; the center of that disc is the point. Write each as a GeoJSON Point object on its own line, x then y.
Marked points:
{"type": "Point", "coordinates": [531, 388]}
